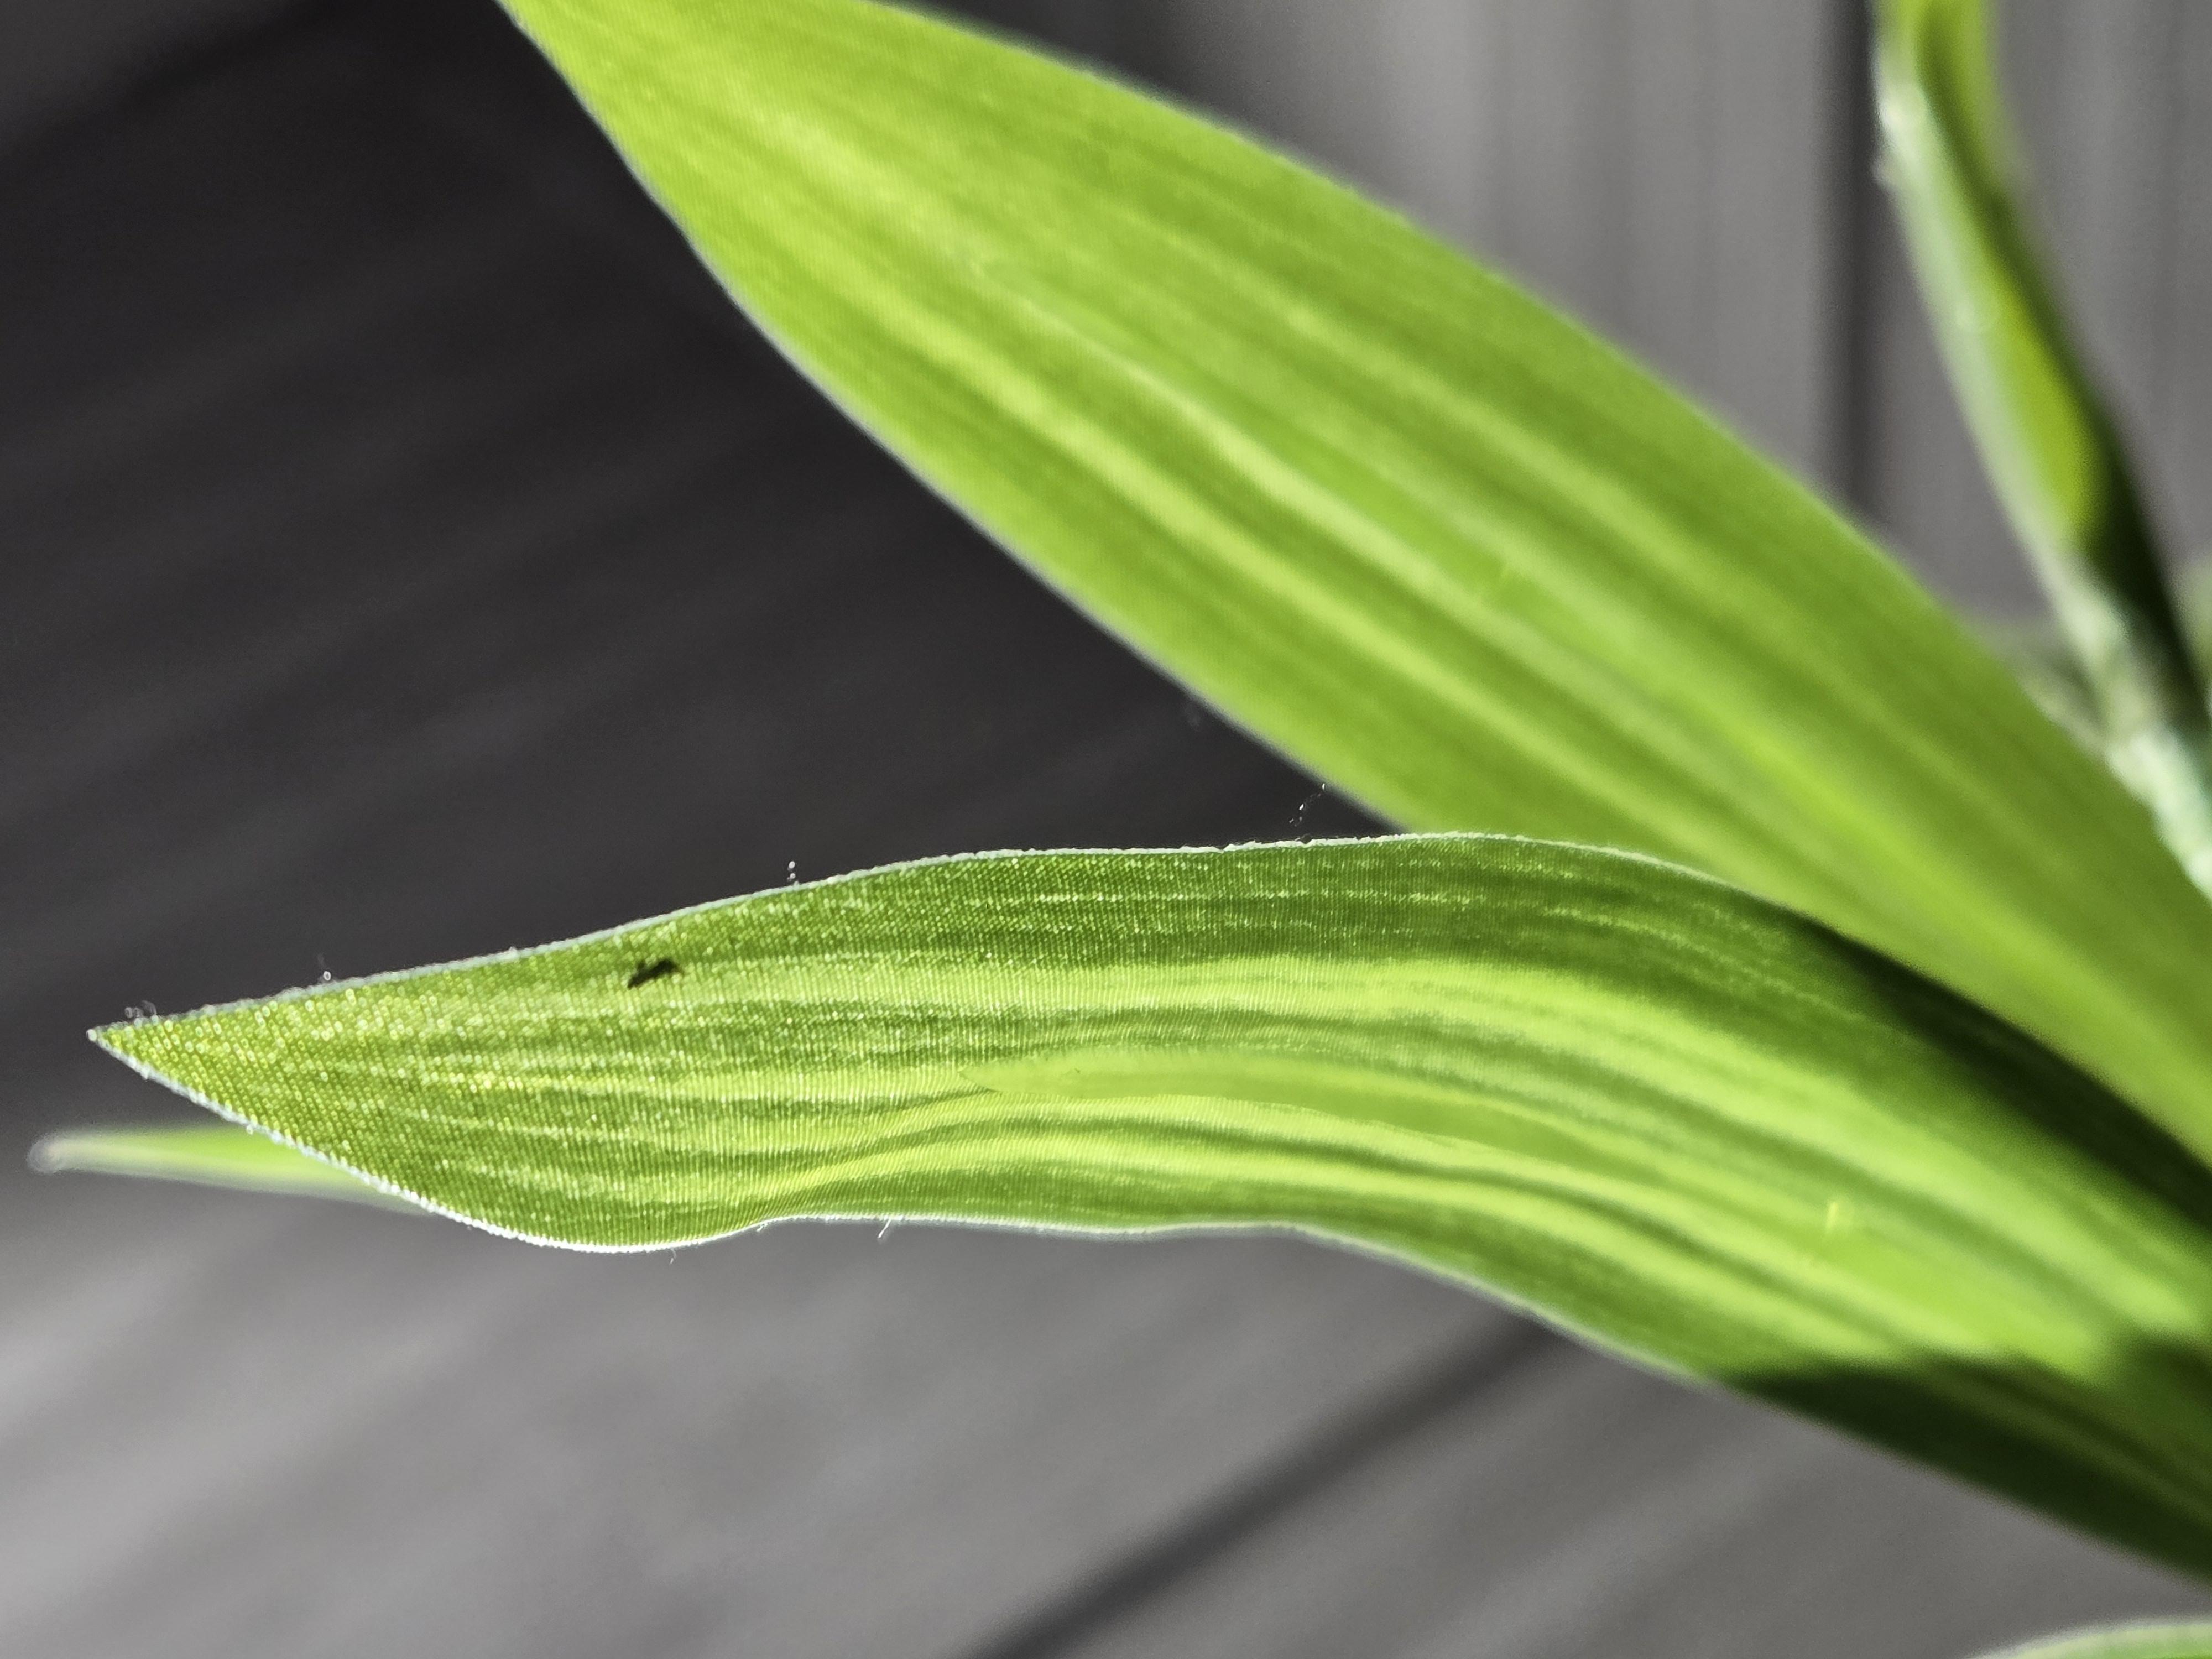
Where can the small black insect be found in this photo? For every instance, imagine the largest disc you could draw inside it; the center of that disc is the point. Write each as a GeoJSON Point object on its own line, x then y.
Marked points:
{"type": "Point", "coordinates": [649, 971]}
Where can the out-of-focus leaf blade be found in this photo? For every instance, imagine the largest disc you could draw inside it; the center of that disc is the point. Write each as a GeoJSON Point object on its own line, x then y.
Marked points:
{"type": "Point", "coordinates": [1426, 536]}
{"type": "Point", "coordinates": [2050, 445]}
{"type": "Point", "coordinates": [1696, 1128]}
{"type": "Point", "coordinates": [213, 1155]}
{"type": "Point", "coordinates": [2051, 673]}
{"type": "Point", "coordinates": [2128, 1642]}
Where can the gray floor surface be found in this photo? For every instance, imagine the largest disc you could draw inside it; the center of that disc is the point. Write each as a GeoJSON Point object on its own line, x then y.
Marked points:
{"type": "Point", "coordinates": [407, 555]}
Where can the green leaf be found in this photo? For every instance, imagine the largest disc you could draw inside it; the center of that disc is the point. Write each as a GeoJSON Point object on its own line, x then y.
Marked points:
{"type": "Point", "coordinates": [206, 1154]}
{"type": "Point", "coordinates": [1695, 1127]}
{"type": "Point", "coordinates": [2130, 1642]}
{"type": "Point", "coordinates": [2051, 447]}
{"type": "Point", "coordinates": [1420, 531]}
{"type": "Point", "coordinates": [2051, 673]}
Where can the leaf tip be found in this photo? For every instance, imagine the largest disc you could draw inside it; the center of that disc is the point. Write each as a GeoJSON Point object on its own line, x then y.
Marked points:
{"type": "Point", "coordinates": [136, 1042]}
{"type": "Point", "coordinates": [58, 1152]}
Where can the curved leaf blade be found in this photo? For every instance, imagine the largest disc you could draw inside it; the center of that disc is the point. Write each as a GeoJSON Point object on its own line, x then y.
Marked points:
{"type": "Point", "coordinates": [1411, 526]}
{"type": "Point", "coordinates": [2050, 442]}
{"type": "Point", "coordinates": [1695, 1127]}
{"type": "Point", "coordinates": [2190, 1641]}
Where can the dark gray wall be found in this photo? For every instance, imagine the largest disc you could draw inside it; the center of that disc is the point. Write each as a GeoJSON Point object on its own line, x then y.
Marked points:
{"type": "Point", "coordinates": [60, 55]}
{"type": "Point", "coordinates": [1687, 174]}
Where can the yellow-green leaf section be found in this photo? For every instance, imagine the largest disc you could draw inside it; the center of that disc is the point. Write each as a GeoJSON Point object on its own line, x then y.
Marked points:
{"type": "Point", "coordinates": [1689, 1125]}
{"type": "Point", "coordinates": [1426, 536]}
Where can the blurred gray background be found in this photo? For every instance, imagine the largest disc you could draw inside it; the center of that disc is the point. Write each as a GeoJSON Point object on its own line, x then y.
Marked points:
{"type": "Point", "coordinates": [407, 555]}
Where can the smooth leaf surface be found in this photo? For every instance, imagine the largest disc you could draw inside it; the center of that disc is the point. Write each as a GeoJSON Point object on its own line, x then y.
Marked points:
{"type": "Point", "coordinates": [1698, 1128]}
{"type": "Point", "coordinates": [2050, 444]}
{"type": "Point", "coordinates": [2193, 1641]}
{"type": "Point", "coordinates": [206, 1154]}
{"type": "Point", "coordinates": [1415, 529]}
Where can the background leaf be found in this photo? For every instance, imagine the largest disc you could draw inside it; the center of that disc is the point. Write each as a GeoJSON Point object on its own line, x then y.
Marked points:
{"type": "Point", "coordinates": [2050, 442]}
{"type": "Point", "coordinates": [209, 1154]}
{"type": "Point", "coordinates": [1698, 1128]}
{"type": "Point", "coordinates": [1417, 530]}
{"type": "Point", "coordinates": [2131, 1642]}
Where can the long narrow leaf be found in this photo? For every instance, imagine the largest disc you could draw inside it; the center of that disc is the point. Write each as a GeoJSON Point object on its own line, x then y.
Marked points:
{"type": "Point", "coordinates": [1691, 1126]}
{"type": "Point", "coordinates": [2050, 443]}
{"type": "Point", "coordinates": [1414, 528]}
{"type": "Point", "coordinates": [206, 1154]}
{"type": "Point", "coordinates": [2131, 1642]}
